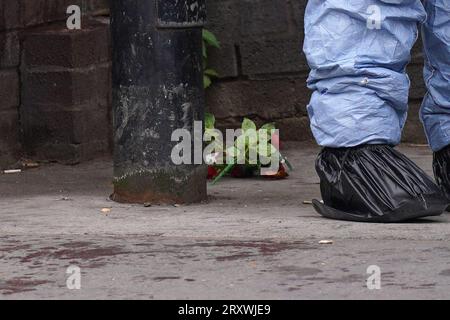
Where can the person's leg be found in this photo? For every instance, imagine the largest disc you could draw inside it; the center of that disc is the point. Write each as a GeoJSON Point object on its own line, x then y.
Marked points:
{"type": "Point", "coordinates": [435, 112]}
{"type": "Point", "coordinates": [360, 87]}
{"type": "Point", "coordinates": [358, 51]}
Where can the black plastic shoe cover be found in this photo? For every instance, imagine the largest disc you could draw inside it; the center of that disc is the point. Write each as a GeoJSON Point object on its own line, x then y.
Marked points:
{"type": "Point", "coordinates": [441, 167]}
{"type": "Point", "coordinates": [375, 183]}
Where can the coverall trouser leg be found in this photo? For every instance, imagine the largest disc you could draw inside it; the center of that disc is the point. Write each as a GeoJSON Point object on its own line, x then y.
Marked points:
{"type": "Point", "coordinates": [358, 51]}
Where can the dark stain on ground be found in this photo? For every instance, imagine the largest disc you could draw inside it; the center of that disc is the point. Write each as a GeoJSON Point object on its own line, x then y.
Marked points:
{"type": "Point", "coordinates": [35, 255]}
{"type": "Point", "coordinates": [18, 285]}
{"type": "Point", "coordinates": [317, 279]}
{"type": "Point", "coordinates": [260, 248]}
{"type": "Point", "coordinates": [299, 271]}
{"type": "Point", "coordinates": [89, 254]}
{"type": "Point", "coordinates": [86, 255]}
{"type": "Point", "coordinates": [12, 248]}
{"type": "Point", "coordinates": [351, 278]}
{"type": "Point", "coordinates": [294, 289]}
{"type": "Point", "coordinates": [159, 279]}
{"type": "Point", "coordinates": [428, 285]}
{"type": "Point", "coordinates": [424, 286]}
{"type": "Point", "coordinates": [94, 265]}
{"type": "Point", "coordinates": [46, 249]}
{"type": "Point", "coordinates": [238, 256]}
{"type": "Point", "coordinates": [388, 274]}
{"type": "Point", "coordinates": [71, 254]}
{"type": "Point", "coordinates": [445, 273]}
{"type": "Point", "coordinates": [187, 256]}
{"type": "Point", "coordinates": [265, 247]}
{"type": "Point", "coordinates": [77, 244]}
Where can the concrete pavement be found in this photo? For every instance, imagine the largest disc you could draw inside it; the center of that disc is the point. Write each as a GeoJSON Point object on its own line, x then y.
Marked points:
{"type": "Point", "coordinates": [254, 239]}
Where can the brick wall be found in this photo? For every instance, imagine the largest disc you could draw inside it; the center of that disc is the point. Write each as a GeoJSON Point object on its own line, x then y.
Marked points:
{"type": "Point", "coordinates": [9, 82]}
{"type": "Point", "coordinates": [54, 84]}
{"type": "Point", "coordinates": [263, 70]}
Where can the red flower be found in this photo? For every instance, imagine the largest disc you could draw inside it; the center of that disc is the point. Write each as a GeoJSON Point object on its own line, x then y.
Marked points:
{"type": "Point", "coordinates": [212, 172]}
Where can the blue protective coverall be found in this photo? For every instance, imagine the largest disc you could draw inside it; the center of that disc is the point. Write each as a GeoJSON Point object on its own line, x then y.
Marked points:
{"type": "Point", "coordinates": [358, 51]}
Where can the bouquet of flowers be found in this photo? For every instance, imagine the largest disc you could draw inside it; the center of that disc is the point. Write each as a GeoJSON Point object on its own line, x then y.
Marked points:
{"type": "Point", "coordinates": [252, 152]}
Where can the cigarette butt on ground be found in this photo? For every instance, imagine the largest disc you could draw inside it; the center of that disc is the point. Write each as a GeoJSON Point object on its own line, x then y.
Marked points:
{"type": "Point", "coordinates": [310, 202]}
{"type": "Point", "coordinates": [12, 171]}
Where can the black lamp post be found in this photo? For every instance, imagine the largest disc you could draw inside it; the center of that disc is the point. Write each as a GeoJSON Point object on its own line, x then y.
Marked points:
{"type": "Point", "coordinates": [157, 88]}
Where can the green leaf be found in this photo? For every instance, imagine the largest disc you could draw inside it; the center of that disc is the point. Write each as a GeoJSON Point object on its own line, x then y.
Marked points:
{"type": "Point", "coordinates": [248, 124]}
{"type": "Point", "coordinates": [269, 126]}
{"type": "Point", "coordinates": [210, 39]}
{"type": "Point", "coordinates": [211, 73]}
{"type": "Point", "coordinates": [205, 51]}
{"type": "Point", "coordinates": [210, 121]}
{"type": "Point", "coordinates": [206, 81]}
{"type": "Point", "coordinates": [222, 173]}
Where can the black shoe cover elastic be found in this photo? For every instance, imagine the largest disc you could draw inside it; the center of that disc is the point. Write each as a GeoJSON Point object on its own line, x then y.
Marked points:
{"type": "Point", "coordinates": [441, 167]}
{"type": "Point", "coordinates": [375, 183]}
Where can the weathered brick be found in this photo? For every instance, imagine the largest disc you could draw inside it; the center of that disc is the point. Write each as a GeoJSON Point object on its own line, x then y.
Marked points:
{"type": "Point", "coordinates": [295, 129]}
{"type": "Point", "coordinates": [96, 7]}
{"type": "Point", "coordinates": [414, 131]}
{"type": "Point", "coordinates": [9, 14]}
{"type": "Point", "coordinates": [223, 20]}
{"type": "Point", "coordinates": [104, 85]}
{"type": "Point", "coordinates": [55, 10]}
{"type": "Point", "coordinates": [68, 87]}
{"type": "Point", "coordinates": [9, 89]}
{"type": "Point", "coordinates": [70, 153]}
{"type": "Point", "coordinates": [66, 92]}
{"type": "Point", "coordinates": [273, 56]}
{"type": "Point", "coordinates": [263, 17]}
{"type": "Point", "coordinates": [298, 11]}
{"type": "Point", "coordinates": [418, 89]}
{"type": "Point", "coordinates": [32, 12]}
{"type": "Point", "coordinates": [9, 50]}
{"type": "Point", "coordinates": [268, 100]}
{"type": "Point", "coordinates": [36, 12]}
{"type": "Point", "coordinates": [28, 13]}
{"type": "Point", "coordinates": [224, 61]}
{"type": "Point", "coordinates": [9, 141]}
{"type": "Point", "coordinates": [70, 48]}
{"type": "Point", "coordinates": [291, 128]}
{"type": "Point", "coordinates": [417, 56]}
{"type": "Point", "coordinates": [64, 132]}
{"type": "Point", "coordinates": [44, 125]}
